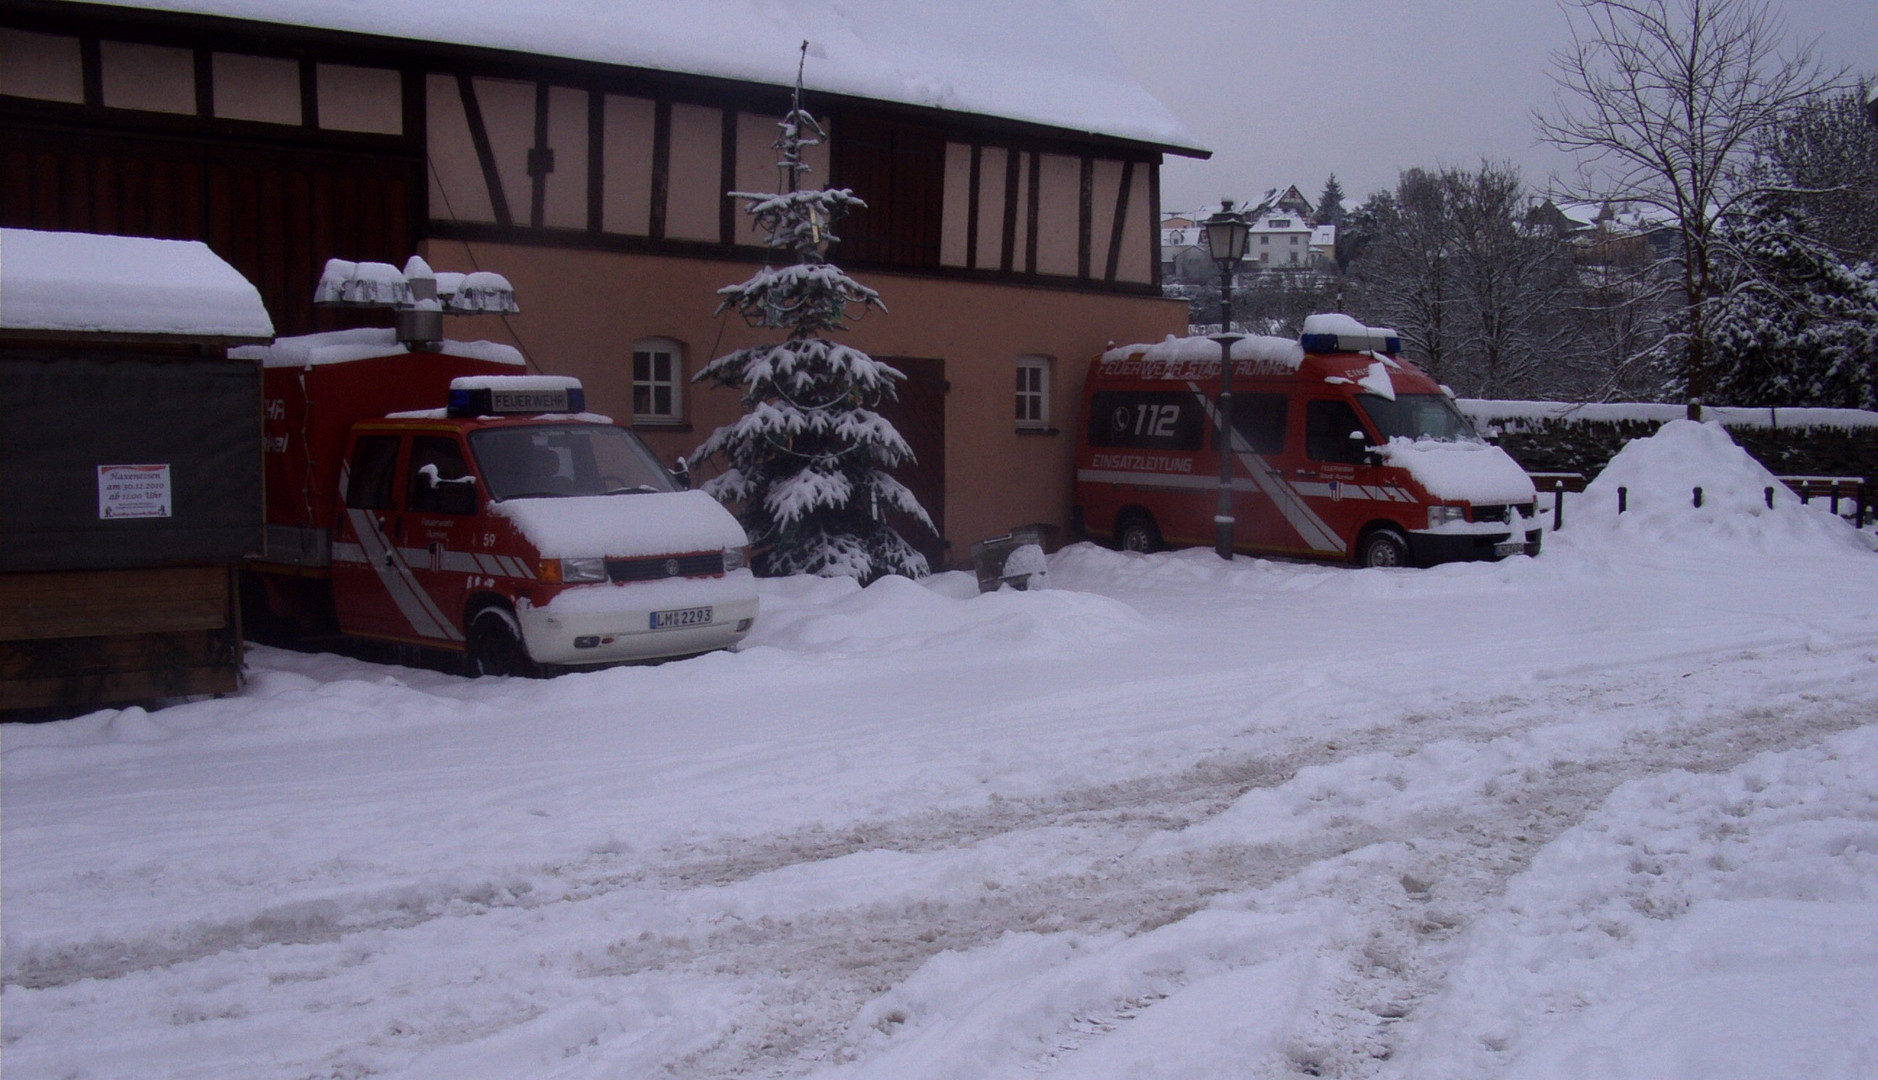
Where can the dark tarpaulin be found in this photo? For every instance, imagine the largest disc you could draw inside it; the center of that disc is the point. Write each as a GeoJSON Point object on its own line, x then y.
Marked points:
{"type": "Point", "coordinates": [65, 413]}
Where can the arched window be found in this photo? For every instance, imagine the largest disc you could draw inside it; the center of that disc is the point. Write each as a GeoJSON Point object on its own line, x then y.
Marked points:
{"type": "Point", "coordinates": [658, 381]}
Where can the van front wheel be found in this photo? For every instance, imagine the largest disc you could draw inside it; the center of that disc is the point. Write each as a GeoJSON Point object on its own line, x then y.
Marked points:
{"type": "Point", "coordinates": [1137, 533]}
{"type": "Point", "coordinates": [495, 646]}
{"type": "Point", "coordinates": [1384, 547]}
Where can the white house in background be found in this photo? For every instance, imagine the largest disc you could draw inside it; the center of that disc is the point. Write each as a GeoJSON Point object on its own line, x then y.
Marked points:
{"type": "Point", "coordinates": [1283, 239]}
{"type": "Point", "coordinates": [1282, 232]}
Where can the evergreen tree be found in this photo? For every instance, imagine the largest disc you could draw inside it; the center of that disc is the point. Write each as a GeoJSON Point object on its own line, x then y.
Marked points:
{"type": "Point", "coordinates": [808, 460]}
{"type": "Point", "coordinates": [1794, 325]}
{"type": "Point", "coordinates": [1330, 203]}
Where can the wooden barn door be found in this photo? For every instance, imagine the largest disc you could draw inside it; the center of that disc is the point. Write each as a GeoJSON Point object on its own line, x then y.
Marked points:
{"type": "Point", "coordinates": [275, 215]}
{"type": "Point", "coordinates": [919, 415]}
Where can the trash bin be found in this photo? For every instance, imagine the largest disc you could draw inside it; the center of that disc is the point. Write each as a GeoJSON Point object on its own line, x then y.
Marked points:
{"type": "Point", "coordinates": [1015, 559]}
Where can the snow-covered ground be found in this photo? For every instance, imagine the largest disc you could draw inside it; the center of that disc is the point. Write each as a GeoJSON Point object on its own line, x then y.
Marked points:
{"type": "Point", "coordinates": [1611, 812]}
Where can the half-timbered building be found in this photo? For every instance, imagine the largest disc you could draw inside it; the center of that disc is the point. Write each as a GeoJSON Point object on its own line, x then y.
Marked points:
{"type": "Point", "coordinates": [586, 152]}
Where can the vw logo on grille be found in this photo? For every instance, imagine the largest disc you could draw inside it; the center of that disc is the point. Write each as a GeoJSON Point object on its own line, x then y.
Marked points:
{"type": "Point", "coordinates": [671, 568]}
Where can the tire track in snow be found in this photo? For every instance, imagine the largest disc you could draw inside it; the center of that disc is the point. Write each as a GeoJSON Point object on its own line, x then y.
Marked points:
{"type": "Point", "coordinates": [1438, 868]}
{"type": "Point", "coordinates": [1412, 879]}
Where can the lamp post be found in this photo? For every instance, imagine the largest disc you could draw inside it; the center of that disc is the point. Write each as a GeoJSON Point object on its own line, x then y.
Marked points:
{"type": "Point", "coordinates": [1227, 233]}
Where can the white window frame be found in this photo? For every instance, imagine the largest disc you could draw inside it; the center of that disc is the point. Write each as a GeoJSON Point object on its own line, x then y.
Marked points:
{"type": "Point", "coordinates": [671, 380]}
{"type": "Point", "coordinates": [1032, 386]}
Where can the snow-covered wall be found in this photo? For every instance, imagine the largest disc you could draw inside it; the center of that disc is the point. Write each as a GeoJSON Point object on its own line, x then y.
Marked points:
{"type": "Point", "coordinates": [1042, 61]}
{"type": "Point", "coordinates": [1514, 414]}
{"type": "Point", "coordinates": [82, 282]}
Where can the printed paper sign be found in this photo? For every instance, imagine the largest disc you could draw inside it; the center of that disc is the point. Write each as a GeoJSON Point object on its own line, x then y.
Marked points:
{"type": "Point", "coordinates": [133, 491]}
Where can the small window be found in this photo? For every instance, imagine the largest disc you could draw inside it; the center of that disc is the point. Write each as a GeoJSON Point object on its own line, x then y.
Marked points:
{"type": "Point", "coordinates": [374, 464]}
{"type": "Point", "coordinates": [1328, 429]}
{"type": "Point", "coordinates": [1260, 421]}
{"type": "Point", "coordinates": [658, 381]}
{"type": "Point", "coordinates": [1033, 393]}
{"type": "Point", "coordinates": [1146, 420]}
{"type": "Point", "coordinates": [439, 480]}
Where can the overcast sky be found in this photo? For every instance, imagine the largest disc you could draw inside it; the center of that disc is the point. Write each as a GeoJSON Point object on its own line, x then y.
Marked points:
{"type": "Point", "coordinates": [1290, 91]}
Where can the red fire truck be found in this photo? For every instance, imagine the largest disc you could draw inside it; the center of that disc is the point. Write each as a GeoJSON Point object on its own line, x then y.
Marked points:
{"type": "Point", "coordinates": [430, 494]}
{"type": "Point", "coordinates": [1340, 450]}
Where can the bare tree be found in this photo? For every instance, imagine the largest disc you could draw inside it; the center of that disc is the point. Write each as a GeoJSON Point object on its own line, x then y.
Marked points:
{"type": "Point", "coordinates": [1667, 100]}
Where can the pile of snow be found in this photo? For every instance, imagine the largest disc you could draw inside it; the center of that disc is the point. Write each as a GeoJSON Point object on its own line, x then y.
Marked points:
{"type": "Point", "coordinates": [82, 282]}
{"type": "Point", "coordinates": [1659, 476]}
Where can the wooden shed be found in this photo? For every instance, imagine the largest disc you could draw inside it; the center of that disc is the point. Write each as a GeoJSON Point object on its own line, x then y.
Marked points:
{"type": "Point", "coordinates": [130, 468]}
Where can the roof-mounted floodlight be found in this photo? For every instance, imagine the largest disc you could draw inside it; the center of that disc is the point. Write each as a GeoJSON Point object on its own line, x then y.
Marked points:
{"type": "Point", "coordinates": [420, 296]}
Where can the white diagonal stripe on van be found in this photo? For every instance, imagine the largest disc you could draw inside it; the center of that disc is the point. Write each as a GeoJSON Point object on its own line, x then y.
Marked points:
{"type": "Point", "coordinates": [1290, 504]}
{"type": "Point", "coordinates": [412, 601]}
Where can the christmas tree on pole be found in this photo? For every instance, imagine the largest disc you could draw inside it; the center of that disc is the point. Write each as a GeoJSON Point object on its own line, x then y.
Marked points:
{"type": "Point", "coordinates": [808, 460]}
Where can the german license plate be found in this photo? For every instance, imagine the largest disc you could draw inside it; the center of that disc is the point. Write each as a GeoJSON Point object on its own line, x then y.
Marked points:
{"type": "Point", "coordinates": [1510, 547]}
{"type": "Point", "coordinates": [690, 616]}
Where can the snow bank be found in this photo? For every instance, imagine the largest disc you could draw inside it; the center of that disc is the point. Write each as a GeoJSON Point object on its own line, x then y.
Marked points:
{"type": "Point", "coordinates": [1518, 414]}
{"type": "Point", "coordinates": [624, 526]}
{"type": "Point", "coordinates": [1660, 475]}
{"type": "Point", "coordinates": [975, 56]}
{"type": "Point", "coordinates": [344, 346]}
{"type": "Point", "coordinates": [124, 285]}
{"type": "Point", "coordinates": [1461, 470]}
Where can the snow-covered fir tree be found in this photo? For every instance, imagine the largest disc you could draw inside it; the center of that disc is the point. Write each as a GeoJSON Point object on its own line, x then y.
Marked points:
{"type": "Point", "coordinates": [807, 462]}
{"type": "Point", "coordinates": [1793, 324]}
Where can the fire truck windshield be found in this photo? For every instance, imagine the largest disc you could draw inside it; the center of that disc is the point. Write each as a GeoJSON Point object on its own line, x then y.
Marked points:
{"type": "Point", "coordinates": [1417, 416]}
{"type": "Point", "coordinates": [558, 460]}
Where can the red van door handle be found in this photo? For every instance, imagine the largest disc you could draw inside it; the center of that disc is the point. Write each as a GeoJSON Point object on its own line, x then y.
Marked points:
{"type": "Point", "coordinates": [1311, 473]}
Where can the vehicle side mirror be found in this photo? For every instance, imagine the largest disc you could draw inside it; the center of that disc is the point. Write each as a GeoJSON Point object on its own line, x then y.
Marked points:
{"type": "Point", "coordinates": [681, 474]}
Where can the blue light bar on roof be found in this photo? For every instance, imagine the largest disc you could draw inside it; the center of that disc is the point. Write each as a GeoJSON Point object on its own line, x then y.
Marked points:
{"type": "Point", "coordinates": [1371, 340]}
{"type": "Point", "coordinates": [501, 395]}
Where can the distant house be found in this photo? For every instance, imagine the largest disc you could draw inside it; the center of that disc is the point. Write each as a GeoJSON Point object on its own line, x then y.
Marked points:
{"type": "Point", "coordinates": [1613, 233]}
{"type": "Point", "coordinates": [1283, 238]}
{"type": "Point", "coordinates": [585, 151]}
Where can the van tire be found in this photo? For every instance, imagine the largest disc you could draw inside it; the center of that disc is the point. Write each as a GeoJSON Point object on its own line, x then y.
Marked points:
{"type": "Point", "coordinates": [1137, 532]}
{"type": "Point", "coordinates": [495, 646]}
{"type": "Point", "coordinates": [1383, 547]}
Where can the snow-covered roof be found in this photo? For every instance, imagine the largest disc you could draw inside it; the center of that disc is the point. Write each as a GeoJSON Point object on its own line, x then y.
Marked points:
{"type": "Point", "coordinates": [124, 285]}
{"type": "Point", "coordinates": [1040, 61]}
{"type": "Point", "coordinates": [363, 343]}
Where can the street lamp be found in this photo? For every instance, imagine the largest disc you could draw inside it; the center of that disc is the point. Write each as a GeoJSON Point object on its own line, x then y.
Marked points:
{"type": "Point", "coordinates": [1227, 233]}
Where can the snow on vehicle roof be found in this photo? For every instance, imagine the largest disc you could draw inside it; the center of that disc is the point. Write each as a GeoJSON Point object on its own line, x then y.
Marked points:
{"type": "Point", "coordinates": [1042, 61]}
{"type": "Point", "coordinates": [1185, 351]}
{"type": "Point", "coordinates": [84, 282]}
{"type": "Point", "coordinates": [343, 346]}
{"type": "Point", "coordinates": [626, 526]}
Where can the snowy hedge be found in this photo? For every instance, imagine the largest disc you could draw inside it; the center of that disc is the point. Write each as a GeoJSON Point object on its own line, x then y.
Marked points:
{"type": "Point", "coordinates": [1551, 436]}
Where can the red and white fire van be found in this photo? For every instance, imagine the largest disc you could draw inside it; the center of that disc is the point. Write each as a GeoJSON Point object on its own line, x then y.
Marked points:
{"type": "Point", "coordinates": [1340, 450]}
{"type": "Point", "coordinates": [435, 496]}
